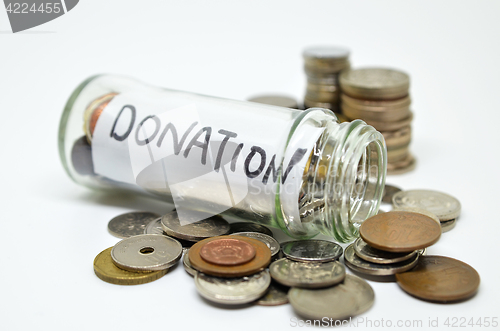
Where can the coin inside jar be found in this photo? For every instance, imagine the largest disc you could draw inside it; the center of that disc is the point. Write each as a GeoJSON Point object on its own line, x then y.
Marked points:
{"type": "Point", "coordinates": [398, 231]}
{"type": "Point", "coordinates": [227, 252]}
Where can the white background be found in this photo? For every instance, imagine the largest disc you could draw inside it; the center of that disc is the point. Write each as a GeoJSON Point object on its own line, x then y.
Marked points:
{"type": "Point", "coordinates": [52, 228]}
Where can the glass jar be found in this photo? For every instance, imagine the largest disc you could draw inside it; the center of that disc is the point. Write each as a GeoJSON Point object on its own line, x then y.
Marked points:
{"type": "Point", "coordinates": [300, 171]}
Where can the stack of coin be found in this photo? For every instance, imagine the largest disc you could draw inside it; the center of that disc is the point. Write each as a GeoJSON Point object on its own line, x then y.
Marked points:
{"type": "Point", "coordinates": [276, 100]}
{"type": "Point", "coordinates": [319, 285]}
{"type": "Point", "coordinates": [390, 243]}
{"type": "Point", "coordinates": [322, 66]}
{"type": "Point", "coordinates": [380, 97]}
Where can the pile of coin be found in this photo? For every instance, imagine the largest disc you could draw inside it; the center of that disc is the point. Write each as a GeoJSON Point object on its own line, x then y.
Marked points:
{"type": "Point", "coordinates": [380, 97]}
{"type": "Point", "coordinates": [322, 66]}
{"type": "Point", "coordinates": [241, 263]}
{"type": "Point", "coordinates": [320, 287]}
{"type": "Point", "coordinates": [390, 243]}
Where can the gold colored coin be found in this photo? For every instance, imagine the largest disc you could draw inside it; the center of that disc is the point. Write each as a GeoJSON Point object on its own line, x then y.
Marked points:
{"type": "Point", "coordinates": [106, 270]}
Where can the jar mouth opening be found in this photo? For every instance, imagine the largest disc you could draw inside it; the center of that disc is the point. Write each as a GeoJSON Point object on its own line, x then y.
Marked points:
{"type": "Point", "coordinates": [364, 199]}
{"type": "Point", "coordinates": [355, 178]}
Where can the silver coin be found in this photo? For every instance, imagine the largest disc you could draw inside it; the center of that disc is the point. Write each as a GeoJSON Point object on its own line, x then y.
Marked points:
{"type": "Point", "coordinates": [422, 251]}
{"type": "Point", "coordinates": [312, 250]}
{"type": "Point", "coordinates": [364, 267]}
{"type": "Point", "coordinates": [155, 227]}
{"type": "Point", "coordinates": [444, 206]}
{"type": "Point", "coordinates": [232, 291]}
{"type": "Point", "coordinates": [187, 264]}
{"type": "Point", "coordinates": [130, 224]}
{"type": "Point", "coordinates": [249, 227]}
{"type": "Point", "coordinates": [352, 297]}
{"type": "Point", "coordinates": [325, 52]}
{"type": "Point", "coordinates": [276, 295]}
{"type": "Point", "coordinates": [146, 252]}
{"type": "Point", "coordinates": [370, 254]}
{"type": "Point", "coordinates": [448, 225]}
{"type": "Point", "coordinates": [210, 227]}
{"type": "Point", "coordinates": [389, 191]}
{"type": "Point", "coordinates": [270, 242]}
{"type": "Point", "coordinates": [307, 275]}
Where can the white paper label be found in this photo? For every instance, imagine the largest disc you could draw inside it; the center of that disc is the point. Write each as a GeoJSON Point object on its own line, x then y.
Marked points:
{"type": "Point", "coordinates": [208, 154]}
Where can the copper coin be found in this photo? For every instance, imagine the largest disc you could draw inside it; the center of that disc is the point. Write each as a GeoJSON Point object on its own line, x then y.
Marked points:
{"type": "Point", "coordinates": [93, 112]}
{"type": "Point", "coordinates": [399, 231]}
{"type": "Point", "coordinates": [227, 252]}
{"type": "Point", "coordinates": [259, 262]}
{"type": "Point", "coordinates": [440, 279]}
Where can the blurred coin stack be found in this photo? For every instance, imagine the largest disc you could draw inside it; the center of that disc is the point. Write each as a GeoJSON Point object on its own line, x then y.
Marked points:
{"type": "Point", "coordinates": [322, 66]}
{"type": "Point", "coordinates": [380, 97]}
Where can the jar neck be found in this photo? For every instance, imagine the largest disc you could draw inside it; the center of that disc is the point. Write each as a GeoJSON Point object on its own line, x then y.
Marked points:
{"type": "Point", "coordinates": [344, 181]}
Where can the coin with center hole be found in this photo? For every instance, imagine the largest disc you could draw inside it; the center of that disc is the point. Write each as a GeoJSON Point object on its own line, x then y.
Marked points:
{"type": "Point", "coordinates": [232, 291]}
{"type": "Point", "coordinates": [312, 250]}
{"type": "Point", "coordinates": [130, 224]}
{"type": "Point", "coordinates": [370, 254]}
{"type": "Point", "coordinates": [258, 263]}
{"type": "Point", "coordinates": [350, 298]}
{"type": "Point", "coordinates": [146, 252]}
{"type": "Point", "coordinates": [227, 251]}
{"type": "Point", "coordinates": [399, 231]}
{"type": "Point", "coordinates": [353, 262]}
{"type": "Point", "coordinates": [196, 231]}
{"type": "Point", "coordinates": [440, 279]}
{"type": "Point", "coordinates": [443, 205]}
{"type": "Point", "coordinates": [270, 242]}
{"type": "Point", "coordinates": [307, 275]}
{"type": "Point", "coordinates": [106, 270]}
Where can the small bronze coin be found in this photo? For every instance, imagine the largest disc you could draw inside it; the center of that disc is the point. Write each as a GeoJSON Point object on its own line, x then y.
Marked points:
{"type": "Point", "coordinates": [440, 279]}
{"type": "Point", "coordinates": [227, 251]}
{"type": "Point", "coordinates": [259, 262]}
{"type": "Point", "coordinates": [399, 231]}
{"type": "Point", "coordinates": [106, 270]}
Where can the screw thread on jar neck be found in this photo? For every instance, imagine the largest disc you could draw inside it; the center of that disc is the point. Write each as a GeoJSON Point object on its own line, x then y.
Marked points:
{"type": "Point", "coordinates": [344, 182]}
